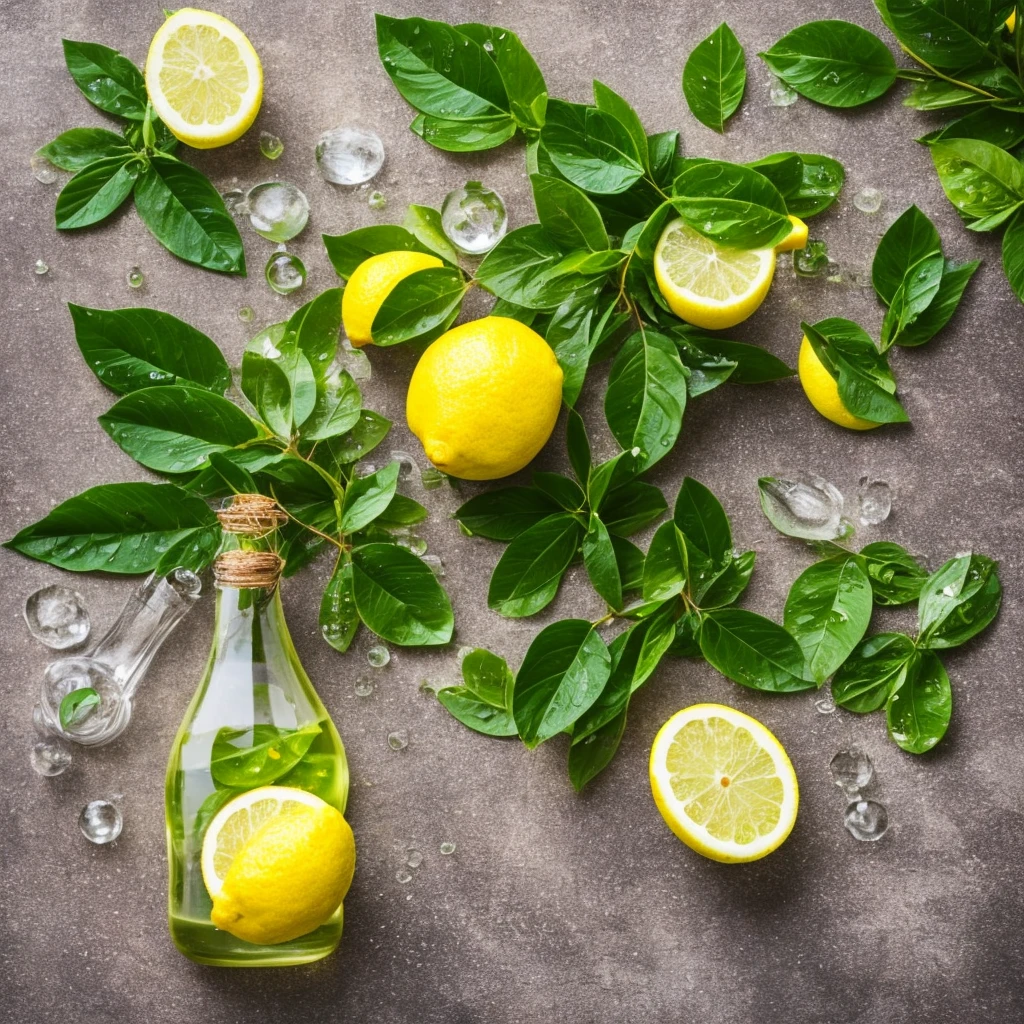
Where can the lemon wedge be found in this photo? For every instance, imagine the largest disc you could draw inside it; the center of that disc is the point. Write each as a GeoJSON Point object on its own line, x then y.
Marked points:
{"type": "Point", "coordinates": [723, 783]}
{"type": "Point", "coordinates": [204, 78]}
{"type": "Point", "coordinates": [797, 237]}
{"type": "Point", "coordinates": [822, 391]}
{"type": "Point", "coordinates": [707, 284]}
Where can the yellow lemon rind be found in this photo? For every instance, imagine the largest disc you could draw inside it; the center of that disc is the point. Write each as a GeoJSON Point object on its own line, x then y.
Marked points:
{"type": "Point", "coordinates": [822, 391]}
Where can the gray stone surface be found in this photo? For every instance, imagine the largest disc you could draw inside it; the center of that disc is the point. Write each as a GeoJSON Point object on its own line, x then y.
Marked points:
{"type": "Point", "coordinates": [555, 906]}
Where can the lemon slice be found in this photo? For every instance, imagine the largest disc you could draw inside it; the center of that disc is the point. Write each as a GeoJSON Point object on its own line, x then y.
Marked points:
{"type": "Point", "coordinates": [234, 825]}
{"type": "Point", "coordinates": [723, 783]}
{"type": "Point", "coordinates": [204, 78]}
{"type": "Point", "coordinates": [707, 284]}
{"type": "Point", "coordinates": [797, 237]}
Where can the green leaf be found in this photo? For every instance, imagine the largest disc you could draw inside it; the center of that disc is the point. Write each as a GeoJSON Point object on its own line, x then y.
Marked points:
{"type": "Point", "coordinates": [827, 612]}
{"type": "Point", "coordinates": [574, 332]}
{"type": "Point", "coordinates": [347, 251]}
{"type": "Point", "coordinates": [175, 429]}
{"type": "Point", "coordinates": [425, 224]}
{"type": "Point", "coordinates": [714, 78]}
{"type": "Point", "coordinates": [121, 528]}
{"type": "Point", "coordinates": [987, 124]}
{"type": "Point", "coordinates": [568, 216]}
{"type": "Point", "coordinates": [339, 618]}
{"type": "Point", "coordinates": [464, 136]}
{"type": "Point", "coordinates": [477, 714]}
{"type": "Point", "coordinates": [265, 754]}
{"type": "Point", "coordinates": [77, 706]}
{"type": "Point", "coordinates": [699, 514]}
{"type": "Point", "coordinates": [505, 513]}
{"type": "Point", "coordinates": [195, 551]}
{"type": "Point", "coordinates": [563, 673]}
{"type": "Point", "coordinates": [399, 598]}
{"type": "Point", "coordinates": [401, 511]}
{"type": "Point", "coordinates": [565, 492]}
{"type": "Point", "coordinates": [368, 496]}
{"type": "Point", "coordinates": [753, 651]}
{"type": "Point", "coordinates": [420, 306]}
{"type": "Point", "coordinates": [278, 379]}
{"type": "Point", "coordinates": [753, 365]}
{"type": "Point", "coordinates": [912, 298]}
{"type": "Point", "coordinates": [610, 102]}
{"type": "Point", "coordinates": [631, 507]}
{"type": "Point", "coordinates": [731, 204]}
{"type": "Point", "coordinates": [910, 239]}
{"type": "Point", "coordinates": [314, 327]}
{"type": "Point", "coordinates": [488, 678]}
{"type": "Point", "coordinates": [594, 752]}
{"type": "Point", "coordinates": [591, 148]}
{"type": "Point", "coordinates": [896, 576]}
{"type": "Point", "coordinates": [730, 582]}
{"type": "Point", "coordinates": [600, 562]}
{"type": "Point", "coordinates": [611, 475]}
{"type": "Point", "coordinates": [187, 215]}
{"type": "Point", "coordinates": [234, 474]}
{"type": "Point", "coordinates": [955, 278]}
{"type": "Point", "coordinates": [646, 396]}
{"type": "Point", "coordinates": [981, 180]}
{"type": "Point", "coordinates": [131, 349]}
{"type": "Point", "coordinates": [958, 601]}
{"type": "Point", "coordinates": [337, 408]}
{"type": "Point", "coordinates": [920, 707]}
{"type": "Point", "coordinates": [630, 560]}
{"type": "Point", "coordinates": [527, 576]}
{"type": "Point", "coordinates": [77, 149]}
{"type": "Point", "coordinates": [1013, 256]}
{"type": "Point", "coordinates": [338, 452]}
{"type": "Point", "coordinates": [107, 80]}
{"type": "Point", "coordinates": [666, 566]}
{"type": "Point", "coordinates": [833, 62]}
{"type": "Point", "coordinates": [578, 446]}
{"type": "Point", "coordinates": [872, 671]}
{"type": "Point", "coordinates": [93, 194]}
{"type": "Point", "coordinates": [440, 71]}
{"type": "Point", "coordinates": [808, 182]}
{"type": "Point", "coordinates": [662, 152]}
{"type": "Point", "coordinates": [950, 34]}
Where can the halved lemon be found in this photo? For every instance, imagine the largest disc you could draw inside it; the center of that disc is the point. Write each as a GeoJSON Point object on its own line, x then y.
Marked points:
{"type": "Point", "coordinates": [204, 78]}
{"type": "Point", "coordinates": [797, 237]}
{"type": "Point", "coordinates": [238, 820]}
{"type": "Point", "coordinates": [707, 284]}
{"type": "Point", "coordinates": [723, 783]}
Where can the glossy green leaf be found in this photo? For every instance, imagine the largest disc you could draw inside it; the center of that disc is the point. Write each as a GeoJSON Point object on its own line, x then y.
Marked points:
{"type": "Point", "coordinates": [187, 215]}
{"type": "Point", "coordinates": [958, 601]}
{"type": "Point", "coordinates": [247, 758]}
{"type": "Point", "coordinates": [919, 710]}
{"type": "Point", "coordinates": [419, 306]}
{"type": "Point", "coordinates": [611, 103]}
{"type": "Point", "coordinates": [121, 528]}
{"type": "Point", "coordinates": [347, 251]}
{"type": "Point", "coordinates": [630, 560]}
{"type": "Point", "coordinates": [337, 408]}
{"type": "Point", "coordinates": [314, 327]}
{"type": "Point", "coordinates": [526, 267]}
{"type": "Point", "coordinates": [488, 677]}
{"type": "Point", "coordinates": [398, 596]}
{"type": "Point", "coordinates": [566, 493]}
{"type": "Point", "coordinates": [366, 497]}
{"type": "Point", "coordinates": [175, 429]}
{"type": "Point", "coordinates": [955, 278]}
{"type": "Point", "coordinates": [563, 673]}
{"type": "Point", "coordinates": [468, 136]}
{"type": "Point", "coordinates": [278, 379]}
{"type": "Point", "coordinates": [631, 507]}
{"type": "Point", "coordinates": [131, 349]}
{"type": "Point", "coordinates": [78, 148]}
{"type": "Point", "coordinates": [591, 755]}
{"type": "Point", "coordinates": [611, 475]}
{"type": "Point", "coordinates": [987, 124]}
{"type": "Point", "coordinates": [575, 330]}
{"type": "Point", "coordinates": [665, 568]}
{"type": "Point", "coordinates": [195, 551]}
{"type": "Point", "coordinates": [753, 651]}
{"type": "Point", "coordinates": [920, 286]}
{"type": "Point", "coordinates": [337, 452]}
{"type": "Point", "coordinates": [425, 224]}
{"type": "Point", "coordinates": [477, 714]}
{"type": "Point", "coordinates": [714, 78]}
{"type": "Point", "coordinates": [896, 576]}
{"type": "Point", "coordinates": [568, 216]}
{"type": "Point", "coordinates": [750, 363]}
{"type": "Point", "coordinates": [730, 582]}
{"type": "Point", "coordinates": [827, 612]}
{"type": "Point", "coordinates": [93, 194]}
{"type": "Point", "coordinates": [339, 618]}
{"type": "Point", "coordinates": [600, 562]}
{"type": "Point", "coordinates": [401, 511]}
{"type": "Point", "coordinates": [872, 671]}
{"type": "Point", "coordinates": [981, 180]}
{"type": "Point", "coordinates": [505, 513]}
{"type": "Point", "coordinates": [107, 80]}
{"type": "Point", "coordinates": [1013, 256]}
{"type": "Point", "coordinates": [835, 63]}
{"type": "Point", "coordinates": [77, 706]}
{"type": "Point", "coordinates": [809, 182]}
{"type": "Point", "coordinates": [946, 34]}
{"type": "Point", "coordinates": [910, 239]}
{"type": "Point", "coordinates": [699, 514]}
{"type": "Point", "coordinates": [527, 576]}
{"type": "Point", "coordinates": [578, 446]}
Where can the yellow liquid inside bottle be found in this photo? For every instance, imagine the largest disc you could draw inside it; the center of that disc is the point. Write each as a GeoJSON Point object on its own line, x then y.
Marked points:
{"type": "Point", "coordinates": [254, 696]}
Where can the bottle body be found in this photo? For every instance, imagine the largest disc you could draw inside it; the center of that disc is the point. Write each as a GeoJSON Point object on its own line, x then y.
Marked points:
{"type": "Point", "coordinates": [254, 721]}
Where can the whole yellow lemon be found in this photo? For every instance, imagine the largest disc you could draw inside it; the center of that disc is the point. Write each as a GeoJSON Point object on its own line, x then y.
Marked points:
{"type": "Point", "coordinates": [484, 398]}
{"type": "Point", "coordinates": [371, 283]}
{"type": "Point", "coordinates": [823, 392]}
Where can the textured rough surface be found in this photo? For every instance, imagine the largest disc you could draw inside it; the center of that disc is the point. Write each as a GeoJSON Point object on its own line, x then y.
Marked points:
{"type": "Point", "coordinates": [554, 906]}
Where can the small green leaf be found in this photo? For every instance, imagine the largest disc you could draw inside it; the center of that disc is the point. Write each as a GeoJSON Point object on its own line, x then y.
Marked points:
{"type": "Point", "coordinates": [809, 183]}
{"type": "Point", "coordinates": [267, 752]}
{"type": "Point", "coordinates": [337, 452]}
{"type": "Point", "coordinates": [600, 562]}
{"type": "Point", "coordinates": [107, 80]}
{"type": "Point", "coordinates": [314, 327]}
{"type": "Point", "coordinates": [488, 678]}
{"type": "Point", "coordinates": [631, 507]}
{"type": "Point", "coordinates": [95, 193]}
{"type": "Point", "coordinates": [753, 365]}
{"type": "Point", "coordinates": [730, 582]}
{"type": "Point", "coordinates": [279, 381]}
{"type": "Point", "coordinates": [77, 149]}
{"type": "Point", "coordinates": [1013, 256]}
{"type": "Point", "coordinates": [367, 497]}
{"type": "Point", "coordinates": [464, 136]}
{"type": "Point", "coordinates": [339, 618]}
{"type": "Point", "coordinates": [699, 514]}
{"type": "Point", "coordinates": [983, 182]}
{"type": "Point", "coordinates": [477, 714]}
{"type": "Point", "coordinates": [77, 706]}
{"type": "Point", "coordinates": [919, 710]}
{"type": "Point", "coordinates": [910, 239]}
{"type": "Point", "coordinates": [872, 671]}
{"type": "Point", "coordinates": [578, 446]}
{"type": "Point", "coordinates": [592, 754]}
{"type": "Point", "coordinates": [425, 224]}
{"type": "Point", "coordinates": [565, 492]}
{"type": "Point", "coordinates": [753, 651]}
{"type": "Point", "coordinates": [505, 513]}
{"type": "Point", "coordinates": [666, 567]}
{"type": "Point", "coordinates": [347, 251]}
{"type": "Point", "coordinates": [337, 409]}
{"type": "Point", "coordinates": [563, 673]}
{"type": "Point", "coordinates": [420, 307]}
{"type": "Point", "coordinates": [896, 576]}
{"type": "Point", "coordinates": [567, 215]}
{"type": "Point", "coordinates": [714, 78]}
{"type": "Point", "coordinates": [955, 278]}
{"type": "Point", "coordinates": [958, 601]}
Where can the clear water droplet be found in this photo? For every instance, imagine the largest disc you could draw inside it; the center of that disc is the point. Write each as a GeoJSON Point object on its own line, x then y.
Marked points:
{"type": "Point", "coordinates": [51, 756]}
{"type": "Point", "coordinates": [868, 200]}
{"type": "Point", "coordinates": [432, 478]}
{"type": "Point", "coordinates": [377, 200]}
{"type": "Point", "coordinates": [447, 849]}
{"type": "Point", "coordinates": [247, 314]}
{"type": "Point", "coordinates": [866, 820]}
{"type": "Point", "coordinates": [100, 822]}
{"type": "Point", "coordinates": [135, 277]}
{"type": "Point", "coordinates": [464, 653]}
{"type": "Point", "coordinates": [435, 563]}
{"type": "Point", "coordinates": [781, 94]}
{"type": "Point", "coordinates": [57, 617]}
{"type": "Point", "coordinates": [474, 218]}
{"type": "Point", "coordinates": [363, 686]}
{"type": "Point", "coordinates": [270, 145]}
{"type": "Point", "coordinates": [349, 156]}
{"type": "Point", "coordinates": [410, 541]}
{"type": "Point", "coordinates": [398, 740]}
{"type": "Point", "coordinates": [378, 656]}
{"type": "Point", "coordinates": [811, 509]}
{"type": "Point", "coordinates": [41, 267]}
{"type": "Point", "coordinates": [812, 260]}
{"type": "Point", "coordinates": [277, 210]}
{"type": "Point", "coordinates": [235, 201]}
{"type": "Point", "coordinates": [285, 273]}
{"type": "Point", "coordinates": [414, 858]}
{"type": "Point", "coordinates": [874, 502]}
{"type": "Point", "coordinates": [42, 169]}
{"type": "Point", "coordinates": [825, 706]}
{"type": "Point", "coordinates": [851, 770]}
{"type": "Point", "coordinates": [402, 876]}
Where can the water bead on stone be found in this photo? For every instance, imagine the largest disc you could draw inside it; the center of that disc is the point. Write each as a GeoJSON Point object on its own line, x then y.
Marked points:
{"type": "Point", "coordinates": [363, 686]}
{"type": "Point", "coordinates": [782, 94]}
{"type": "Point", "coordinates": [431, 478]}
{"type": "Point", "coordinates": [247, 314]}
{"type": "Point", "coordinates": [363, 469]}
{"type": "Point", "coordinates": [414, 858]}
{"type": "Point", "coordinates": [377, 200]}
{"type": "Point", "coordinates": [41, 267]}
{"type": "Point", "coordinates": [812, 259]}
{"type": "Point", "coordinates": [135, 278]}
{"type": "Point", "coordinates": [402, 876]}
{"type": "Point", "coordinates": [270, 145]}
{"type": "Point", "coordinates": [868, 200]}
{"type": "Point", "coordinates": [398, 740]}
{"type": "Point", "coordinates": [285, 273]}
{"type": "Point", "coordinates": [354, 360]}
{"type": "Point", "coordinates": [435, 563]}
{"type": "Point", "coordinates": [100, 822]}
{"type": "Point", "coordinates": [411, 542]}
{"type": "Point", "coordinates": [851, 770]}
{"type": "Point", "coordinates": [277, 210]}
{"type": "Point", "coordinates": [349, 156]}
{"type": "Point", "coordinates": [811, 509]}
{"type": "Point", "coordinates": [378, 656]}
{"type": "Point", "coordinates": [866, 820]}
{"type": "Point", "coordinates": [42, 169]}
{"type": "Point", "coordinates": [874, 501]}
{"type": "Point", "coordinates": [447, 849]}
{"type": "Point", "coordinates": [474, 218]}
{"type": "Point", "coordinates": [825, 706]}
{"type": "Point", "coordinates": [57, 617]}
{"type": "Point", "coordinates": [51, 756]}
{"type": "Point", "coordinates": [235, 201]}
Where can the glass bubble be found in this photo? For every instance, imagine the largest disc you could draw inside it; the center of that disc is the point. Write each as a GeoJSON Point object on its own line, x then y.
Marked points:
{"type": "Point", "coordinates": [57, 617]}
{"type": "Point", "coordinates": [277, 210]}
{"type": "Point", "coordinates": [135, 278]}
{"type": "Point", "coordinates": [851, 770]}
{"type": "Point", "coordinates": [270, 145]}
{"type": "Point", "coordinates": [247, 314]}
{"type": "Point", "coordinates": [413, 858]}
{"type": "Point", "coordinates": [868, 200]}
{"type": "Point", "coordinates": [447, 849]}
{"type": "Point", "coordinates": [100, 822]}
{"type": "Point", "coordinates": [474, 218]}
{"type": "Point", "coordinates": [866, 820]}
{"type": "Point", "coordinates": [51, 756]}
{"type": "Point", "coordinates": [378, 656]}
{"type": "Point", "coordinates": [349, 156]}
{"type": "Point", "coordinates": [285, 273]}
{"type": "Point", "coordinates": [363, 686]}
{"type": "Point", "coordinates": [398, 740]}
{"type": "Point", "coordinates": [875, 501]}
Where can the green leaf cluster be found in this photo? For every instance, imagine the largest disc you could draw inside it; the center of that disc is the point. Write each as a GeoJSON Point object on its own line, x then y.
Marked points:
{"type": "Point", "coordinates": [297, 440]}
{"type": "Point", "coordinates": [178, 204]}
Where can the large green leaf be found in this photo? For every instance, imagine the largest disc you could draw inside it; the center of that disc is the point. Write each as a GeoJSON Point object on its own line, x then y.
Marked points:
{"type": "Point", "coordinates": [120, 528]}
{"type": "Point", "coordinates": [107, 80]}
{"type": "Point", "coordinates": [367, 497]}
{"type": "Point", "coordinates": [920, 707]}
{"type": "Point", "coordinates": [505, 513]}
{"type": "Point", "coordinates": [699, 514]}
{"type": "Point", "coordinates": [278, 379]}
{"type": "Point", "coordinates": [419, 307]}
{"type": "Point", "coordinates": [568, 216]}
{"type": "Point", "coordinates": [983, 182]}
{"type": "Point", "coordinates": [97, 191]}
{"type": "Point", "coordinates": [714, 78]}
{"type": "Point", "coordinates": [910, 239]}
{"type": "Point", "coordinates": [753, 651]}
{"type": "Point", "coordinates": [946, 34]}
{"type": "Point", "coordinates": [1013, 257]}
{"type": "Point", "coordinates": [314, 328]}
{"type": "Point", "coordinates": [810, 183]}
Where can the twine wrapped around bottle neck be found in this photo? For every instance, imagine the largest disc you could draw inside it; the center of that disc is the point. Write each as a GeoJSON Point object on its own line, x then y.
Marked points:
{"type": "Point", "coordinates": [249, 515]}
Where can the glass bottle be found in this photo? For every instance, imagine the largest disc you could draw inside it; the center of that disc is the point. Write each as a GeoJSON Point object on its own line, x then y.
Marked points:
{"type": "Point", "coordinates": [254, 697]}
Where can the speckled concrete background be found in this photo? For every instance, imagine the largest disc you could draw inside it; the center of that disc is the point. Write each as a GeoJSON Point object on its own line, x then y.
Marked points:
{"type": "Point", "coordinates": [555, 906]}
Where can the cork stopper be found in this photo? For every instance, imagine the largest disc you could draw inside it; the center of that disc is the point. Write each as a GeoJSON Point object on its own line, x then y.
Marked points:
{"type": "Point", "coordinates": [253, 515]}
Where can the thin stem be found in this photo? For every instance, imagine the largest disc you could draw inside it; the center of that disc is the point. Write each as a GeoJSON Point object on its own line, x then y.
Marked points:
{"type": "Point", "coordinates": [603, 620]}
{"type": "Point", "coordinates": [946, 78]}
{"type": "Point", "coordinates": [312, 529]}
